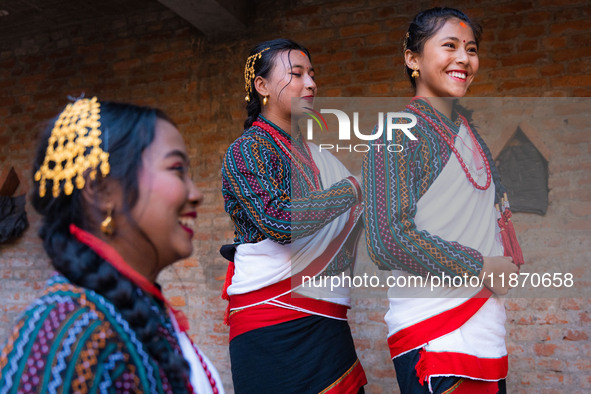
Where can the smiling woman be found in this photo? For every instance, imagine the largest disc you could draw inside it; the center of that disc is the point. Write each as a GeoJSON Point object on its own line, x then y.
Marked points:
{"type": "Point", "coordinates": [166, 208]}
{"type": "Point", "coordinates": [447, 63]}
{"type": "Point", "coordinates": [433, 214]}
{"type": "Point", "coordinates": [118, 204]}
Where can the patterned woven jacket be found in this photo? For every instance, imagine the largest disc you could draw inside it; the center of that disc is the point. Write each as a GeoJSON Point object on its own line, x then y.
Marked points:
{"type": "Point", "coordinates": [267, 197]}
{"type": "Point", "coordinates": [73, 339]}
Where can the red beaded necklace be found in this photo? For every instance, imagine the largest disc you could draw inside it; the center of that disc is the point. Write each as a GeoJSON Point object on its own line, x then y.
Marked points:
{"type": "Point", "coordinates": [450, 143]}
{"type": "Point", "coordinates": [285, 145]}
{"type": "Point", "coordinates": [212, 382]}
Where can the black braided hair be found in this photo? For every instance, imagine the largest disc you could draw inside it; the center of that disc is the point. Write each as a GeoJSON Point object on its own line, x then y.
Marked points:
{"type": "Point", "coordinates": [127, 130]}
{"type": "Point", "coordinates": [262, 67]}
{"type": "Point", "coordinates": [427, 23]}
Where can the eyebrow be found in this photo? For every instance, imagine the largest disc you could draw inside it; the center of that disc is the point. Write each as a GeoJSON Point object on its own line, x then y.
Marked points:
{"type": "Point", "coordinates": [457, 40]}
{"type": "Point", "coordinates": [179, 153]}
{"type": "Point", "coordinates": [300, 66]}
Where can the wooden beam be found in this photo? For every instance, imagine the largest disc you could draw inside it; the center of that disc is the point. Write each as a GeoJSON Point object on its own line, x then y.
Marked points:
{"type": "Point", "coordinates": [213, 17]}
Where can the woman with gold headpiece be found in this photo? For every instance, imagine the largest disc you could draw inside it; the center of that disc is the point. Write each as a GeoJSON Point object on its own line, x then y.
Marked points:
{"type": "Point", "coordinates": [111, 183]}
{"type": "Point", "coordinates": [295, 214]}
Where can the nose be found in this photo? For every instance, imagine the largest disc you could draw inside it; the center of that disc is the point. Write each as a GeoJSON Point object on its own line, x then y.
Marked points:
{"type": "Point", "coordinates": [311, 84]}
{"type": "Point", "coordinates": [462, 56]}
{"type": "Point", "coordinates": [195, 196]}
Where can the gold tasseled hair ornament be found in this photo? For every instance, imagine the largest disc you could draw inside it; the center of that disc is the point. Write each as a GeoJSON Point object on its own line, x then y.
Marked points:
{"type": "Point", "coordinates": [73, 148]}
{"type": "Point", "coordinates": [249, 72]}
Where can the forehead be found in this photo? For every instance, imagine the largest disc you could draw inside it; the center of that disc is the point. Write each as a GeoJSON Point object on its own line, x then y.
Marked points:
{"type": "Point", "coordinates": [166, 139]}
{"type": "Point", "coordinates": [457, 28]}
{"type": "Point", "coordinates": [291, 58]}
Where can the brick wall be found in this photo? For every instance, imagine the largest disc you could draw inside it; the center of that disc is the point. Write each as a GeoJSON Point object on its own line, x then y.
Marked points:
{"type": "Point", "coordinates": [529, 48]}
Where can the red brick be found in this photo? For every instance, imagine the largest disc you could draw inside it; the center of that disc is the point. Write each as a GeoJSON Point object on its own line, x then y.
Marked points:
{"type": "Point", "coordinates": [581, 92]}
{"type": "Point", "coordinates": [339, 57]}
{"type": "Point", "coordinates": [580, 25]}
{"type": "Point", "coordinates": [508, 8]}
{"type": "Point", "coordinates": [544, 349]}
{"type": "Point", "coordinates": [576, 335]}
{"type": "Point", "coordinates": [554, 4]}
{"type": "Point", "coordinates": [314, 22]}
{"type": "Point", "coordinates": [554, 42]}
{"type": "Point", "coordinates": [377, 51]}
{"type": "Point", "coordinates": [127, 64]}
{"type": "Point", "coordinates": [355, 30]}
{"type": "Point", "coordinates": [571, 80]}
{"type": "Point", "coordinates": [500, 48]}
{"type": "Point", "coordinates": [526, 72]}
{"type": "Point", "coordinates": [304, 11]}
{"type": "Point", "coordinates": [355, 91]}
{"type": "Point", "coordinates": [539, 17]}
{"type": "Point", "coordinates": [523, 58]}
{"type": "Point", "coordinates": [380, 89]}
{"type": "Point", "coordinates": [528, 84]}
{"type": "Point", "coordinates": [522, 32]}
{"type": "Point", "coordinates": [551, 69]}
{"type": "Point", "coordinates": [571, 54]}
{"type": "Point", "coordinates": [374, 76]}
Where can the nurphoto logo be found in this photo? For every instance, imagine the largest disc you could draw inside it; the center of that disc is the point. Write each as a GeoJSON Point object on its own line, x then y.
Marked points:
{"type": "Point", "coordinates": [391, 122]}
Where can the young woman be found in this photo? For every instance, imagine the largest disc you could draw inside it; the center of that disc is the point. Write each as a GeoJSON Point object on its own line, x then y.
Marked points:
{"type": "Point", "coordinates": [295, 214]}
{"type": "Point", "coordinates": [439, 196]}
{"type": "Point", "coordinates": [112, 185]}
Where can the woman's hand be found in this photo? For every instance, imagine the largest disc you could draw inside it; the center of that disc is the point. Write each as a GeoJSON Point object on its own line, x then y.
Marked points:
{"type": "Point", "coordinates": [492, 268]}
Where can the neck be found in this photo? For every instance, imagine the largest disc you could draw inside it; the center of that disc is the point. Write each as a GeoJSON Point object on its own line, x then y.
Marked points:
{"type": "Point", "coordinates": [443, 105]}
{"type": "Point", "coordinates": [128, 250]}
{"type": "Point", "coordinates": [109, 252]}
{"type": "Point", "coordinates": [283, 122]}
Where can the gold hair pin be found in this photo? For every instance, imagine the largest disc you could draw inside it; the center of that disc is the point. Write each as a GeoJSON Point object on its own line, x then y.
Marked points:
{"type": "Point", "coordinates": [73, 148]}
{"type": "Point", "coordinates": [405, 44]}
{"type": "Point", "coordinates": [249, 72]}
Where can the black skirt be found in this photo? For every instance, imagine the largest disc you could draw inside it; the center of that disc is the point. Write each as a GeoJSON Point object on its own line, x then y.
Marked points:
{"type": "Point", "coordinates": [300, 356]}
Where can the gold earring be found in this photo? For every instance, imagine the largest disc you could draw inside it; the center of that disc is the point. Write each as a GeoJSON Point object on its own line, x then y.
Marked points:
{"type": "Point", "coordinates": [108, 225]}
{"type": "Point", "coordinates": [265, 100]}
{"type": "Point", "coordinates": [415, 73]}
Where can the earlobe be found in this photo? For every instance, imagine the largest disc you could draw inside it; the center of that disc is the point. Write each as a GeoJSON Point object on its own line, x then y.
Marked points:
{"type": "Point", "coordinates": [108, 224]}
{"type": "Point", "coordinates": [411, 59]}
{"type": "Point", "coordinates": [102, 194]}
{"type": "Point", "coordinates": [260, 85]}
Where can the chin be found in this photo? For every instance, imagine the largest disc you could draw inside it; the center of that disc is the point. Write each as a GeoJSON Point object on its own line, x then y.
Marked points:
{"type": "Point", "coordinates": [181, 252]}
{"type": "Point", "coordinates": [186, 252]}
{"type": "Point", "coordinates": [189, 251]}
{"type": "Point", "coordinates": [297, 113]}
{"type": "Point", "coordinates": [457, 93]}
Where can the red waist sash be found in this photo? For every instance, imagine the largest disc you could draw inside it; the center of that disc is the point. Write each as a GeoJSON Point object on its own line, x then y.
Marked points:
{"type": "Point", "coordinates": [420, 333]}
{"type": "Point", "coordinates": [264, 315]}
